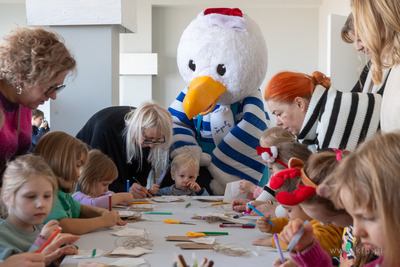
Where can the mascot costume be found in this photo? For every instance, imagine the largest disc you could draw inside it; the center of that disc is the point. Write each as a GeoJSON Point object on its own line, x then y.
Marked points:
{"type": "Point", "coordinates": [220, 116]}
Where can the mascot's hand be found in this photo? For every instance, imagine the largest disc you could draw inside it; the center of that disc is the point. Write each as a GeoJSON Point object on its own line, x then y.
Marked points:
{"type": "Point", "coordinates": [220, 180]}
{"type": "Point", "coordinates": [205, 159]}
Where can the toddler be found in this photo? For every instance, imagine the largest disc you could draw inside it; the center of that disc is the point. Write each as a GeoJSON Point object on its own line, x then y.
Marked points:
{"type": "Point", "coordinates": [270, 138]}
{"type": "Point", "coordinates": [66, 155]}
{"type": "Point", "coordinates": [96, 175]}
{"type": "Point", "coordinates": [28, 190]}
{"type": "Point", "coordinates": [328, 236]}
{"type": "Point", "coordinates": [184, 171]}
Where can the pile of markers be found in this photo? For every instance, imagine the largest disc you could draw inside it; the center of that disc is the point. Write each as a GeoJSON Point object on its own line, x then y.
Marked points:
{"type": "Point", "coordinates": [179, 261]}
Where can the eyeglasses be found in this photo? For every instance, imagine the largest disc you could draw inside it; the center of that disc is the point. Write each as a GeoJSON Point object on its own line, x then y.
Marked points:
{"type": "Point", "coordinates": [56, 88]}
{"type": "Point", "coordinates": [149, 142]}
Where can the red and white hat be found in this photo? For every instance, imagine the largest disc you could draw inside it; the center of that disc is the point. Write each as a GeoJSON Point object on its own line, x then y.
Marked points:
{"type": "Point", "coordinates": [231, 18]}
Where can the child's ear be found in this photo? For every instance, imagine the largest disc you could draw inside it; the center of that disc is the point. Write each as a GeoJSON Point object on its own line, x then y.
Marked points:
{"type": "Point", "coordinates": [172, 176]}
{"type": "Point", "coordinates": [6, 199]}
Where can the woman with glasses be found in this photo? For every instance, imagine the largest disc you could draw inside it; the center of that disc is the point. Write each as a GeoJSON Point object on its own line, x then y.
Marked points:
{"type": "Point", "coordinates": [33, 65]}
{"type": "Point", "coordinates": [135, 139]}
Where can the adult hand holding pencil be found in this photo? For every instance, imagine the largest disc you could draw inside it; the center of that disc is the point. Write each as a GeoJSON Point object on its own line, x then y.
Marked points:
{"type": "Point", "coordinates": [137, 190]}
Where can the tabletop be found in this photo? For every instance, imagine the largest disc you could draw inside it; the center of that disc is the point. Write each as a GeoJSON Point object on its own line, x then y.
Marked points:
{"type": "Point", "coordinates": [163, 251]}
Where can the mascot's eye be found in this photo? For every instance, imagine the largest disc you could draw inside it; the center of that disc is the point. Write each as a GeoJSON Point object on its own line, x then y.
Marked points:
{"type": "Point", "coordinates": [192, 65]}
{"type": "Point", "coordinates": [221, 69]}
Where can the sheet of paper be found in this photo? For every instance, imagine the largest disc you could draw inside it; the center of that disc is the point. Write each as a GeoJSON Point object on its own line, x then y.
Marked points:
{"type": "Point", "coordinates": [204, 240]}
{"type": "Point", "coordinates": [130, 232]}
{"type": "Point", "coordinates": [129, 262]}
{"type": "Point", "coordinates": [232, 192]}
{"type": "Point", "coordinates": [86, 254]}
{"type": "Point", "coordinates": [137, 251]}
{"type": "Point", "coordinates": [209, 198]}
{"type": "Point", "coordinates": [166, 198]}
{"type": "Point", "coordinates": [91, 264]}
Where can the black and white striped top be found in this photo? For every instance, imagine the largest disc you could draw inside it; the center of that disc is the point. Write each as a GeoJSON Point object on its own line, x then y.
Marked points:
{"type": "Point", "coordinates": [340, 120]}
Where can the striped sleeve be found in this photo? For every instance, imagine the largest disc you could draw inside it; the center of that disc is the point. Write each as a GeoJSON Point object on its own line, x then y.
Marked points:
{"type": "Point", "coordinates": [236, 154]}
{"type": "Point", "coordinates": [348, 119]}
{"type": "Point", "coordinates": [184, 132]}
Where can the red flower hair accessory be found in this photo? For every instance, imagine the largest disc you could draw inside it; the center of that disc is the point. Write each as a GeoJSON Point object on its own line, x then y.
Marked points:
{"type": "Point", "coordinates": [270, 154]}
{"type": "Point", "coordinates": [296, 169]}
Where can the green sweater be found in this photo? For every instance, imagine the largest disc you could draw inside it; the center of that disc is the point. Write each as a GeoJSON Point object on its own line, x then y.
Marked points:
{"type": "Point", "coordinates": [14, 240]}
{"type": "Point", "coordinates": [66, 207]}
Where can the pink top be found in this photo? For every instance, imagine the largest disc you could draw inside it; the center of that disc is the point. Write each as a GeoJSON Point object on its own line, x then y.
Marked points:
{"type": "Point", "coordinates": [101, 202]}
{"type": "Point", "coordinates": [10, 144]}
{"type": "Point", "coordinates": [313, 256]}
{"type": "Point", "coordinates": [257, 191]}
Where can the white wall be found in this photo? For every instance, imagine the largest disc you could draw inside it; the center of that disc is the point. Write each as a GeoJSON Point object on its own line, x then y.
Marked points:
{"type": "Point", "coordinates": [338, 7]}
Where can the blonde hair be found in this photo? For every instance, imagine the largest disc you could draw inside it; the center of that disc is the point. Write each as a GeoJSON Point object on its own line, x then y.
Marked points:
{"type": "Point", "coordinates": [98, 168]}
{"type": "Point", "coordinates": [62, 151]}
{"type": "Point", "coordinates": [148, 115]}
{"type": "Point", "coordinates": [24, 169]}
{"type": "Point", "coordinates": [377, 23]}
{"type": "Point", "coordinates": [276, 135]}
{"type": "Point", "coordinates": [347, 28]}
{"type": "Point", "coordinates": [35, 56]}
{"type": "Point", "coordinates": [319, 166]}
{"type": "Point", "coordinates": [370, 176]}
{"type": "Point", "coordinates": [184, 162]}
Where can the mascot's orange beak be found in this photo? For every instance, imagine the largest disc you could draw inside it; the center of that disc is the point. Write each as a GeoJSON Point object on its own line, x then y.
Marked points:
{"type": "Point", "coordinates": [202, 96]}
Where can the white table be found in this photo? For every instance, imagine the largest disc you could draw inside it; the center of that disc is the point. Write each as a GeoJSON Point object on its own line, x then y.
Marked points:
{"type": "Point", "coordinates": [163, 251]}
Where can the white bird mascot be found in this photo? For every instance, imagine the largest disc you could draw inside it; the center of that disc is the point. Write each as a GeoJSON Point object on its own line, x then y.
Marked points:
{"type": "Point", "coordinates": [220, 116]}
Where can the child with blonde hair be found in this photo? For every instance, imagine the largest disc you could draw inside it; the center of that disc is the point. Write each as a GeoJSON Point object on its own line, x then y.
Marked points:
{"type": "Point", "coordinates": [184, 171]}
{"type": "Point", "coordinates": [96, 175]}
{"type": "Point", "coordinates": [66, 155]}
{"type": "Point", "coordinates": [270, 138]}
{"type": "Point", "coordinates": [320, 205]}
{"type": "Point", "coordinates": [285, 189]}
{"type": "Point", "coordinates": [28, 190]}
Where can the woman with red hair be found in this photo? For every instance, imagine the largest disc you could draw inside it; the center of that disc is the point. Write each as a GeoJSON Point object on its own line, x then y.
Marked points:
{"type": "Point", "coordinates": [318, 114]}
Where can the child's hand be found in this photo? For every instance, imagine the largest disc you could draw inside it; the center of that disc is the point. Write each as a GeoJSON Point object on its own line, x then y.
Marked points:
{"type": "Point", "coordinates": [267, 209]}
{"type": "Point", "coordinates": [194, 186]}
{"type": "Point", "coordinates": [49, 228]}
{"type": "Point", "coordinates": [31, 259]}
{"type": "Point", "coordinates": [154, 189]}
{"type": "Point", "coordinates": [291, 229]}
{"type": "Point", "coordinates": [266, 242]}
{"type": "Point", "coordinates": [246, 186]}
{"type": "Point", "coordinates": [263, 224]}
{"type": "Point", "coordinates": [239, 205]}
{"type": "Point", "coordinates": [110, 218]}
{"type": "Point", "coordinates": [126, 199]}
{"type": "Point", "coordinates": [289, 262]}
{"type": "Point", "coordinates": [53, 250]}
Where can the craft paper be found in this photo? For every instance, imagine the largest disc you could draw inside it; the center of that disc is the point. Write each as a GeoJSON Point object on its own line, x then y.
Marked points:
{"type": "Point", "coordinates": [214, 214]}
{"type": "Point", "coordinates": [204, 240]}
{"type": "Point", "coordinates": [85, 254]}
{"type": "Point", "coordinates": [130, 232]}
{"type": "Point", "coordinates": [129, 262]}
{"type": "Point", "coordinates": [232, 192]}
{"type": "Point", "coordinates": [91, 264]}
{"type": "Point", "coordinates": [266, 248]}
{"type": "Point", "coordinates": [167, 199]}
{"type": "Point", "coordinates": [137, 251]}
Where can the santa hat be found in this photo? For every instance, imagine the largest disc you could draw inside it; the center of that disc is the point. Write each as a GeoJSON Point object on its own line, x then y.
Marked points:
{"type": "Point", "coordinates": [230, 18]}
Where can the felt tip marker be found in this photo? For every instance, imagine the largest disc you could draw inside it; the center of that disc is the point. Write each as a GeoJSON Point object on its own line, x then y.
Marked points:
{"type": "Point", "coordinates": [278, 246]}
{"type": "Point", "coordinates": [109, 203]}
{"type": "Point", "coordinates": [259, 213]}
{"type": "Point", "coordinates": [162, 177]}
{"type": "Point", "coordinates": [127, 185]}
{"type": "Point", "coordinates": [297, 236]}
{"type": "Point", "coordinates": [238, 225]}
{"type": "Point", "coordinates": [56, 232]}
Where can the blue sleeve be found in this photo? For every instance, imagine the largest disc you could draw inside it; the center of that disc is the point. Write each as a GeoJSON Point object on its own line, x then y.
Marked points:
{"type": "Point", "coordinates": [163, 191]}
{"type": "Point", "coordinates": [36, 137]}
{"type": "Point", "coordinates": [202, 192]}
{"type": "Point", "coordinates": [7, 250]}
